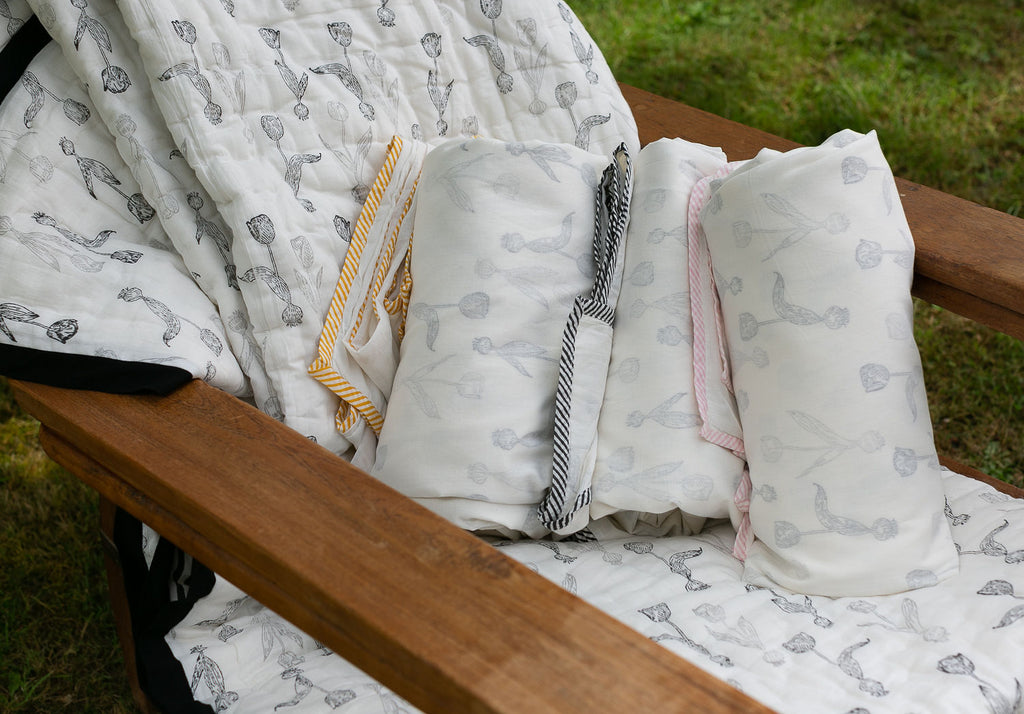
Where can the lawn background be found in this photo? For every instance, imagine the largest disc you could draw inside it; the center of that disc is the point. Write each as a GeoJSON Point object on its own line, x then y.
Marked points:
{"type": "Point", "coordinates": [942, 83]}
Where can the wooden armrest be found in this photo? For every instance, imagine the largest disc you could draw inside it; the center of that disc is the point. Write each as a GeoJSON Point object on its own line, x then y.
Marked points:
{"type": "Point", "coordinates": [969, 258]}
{"type": "Point", "coordinates": [445, 620]}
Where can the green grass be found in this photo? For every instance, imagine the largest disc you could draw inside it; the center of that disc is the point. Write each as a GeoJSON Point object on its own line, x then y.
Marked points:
{"type": "Point", "coordinates": [58, 647]}
{"type": "Point", "coordinates": [941, 82]}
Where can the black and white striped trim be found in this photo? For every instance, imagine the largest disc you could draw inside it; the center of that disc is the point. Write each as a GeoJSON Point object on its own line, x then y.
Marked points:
{"type": "Point", "coordinates": [559, 505]}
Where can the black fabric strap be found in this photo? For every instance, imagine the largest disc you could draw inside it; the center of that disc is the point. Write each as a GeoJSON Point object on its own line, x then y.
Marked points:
{"type": "Point", "coordinates": [15, 56]}
{"type": "Point", "coordinates": [154, 613]}
{"type": "Point", "coordinates": [100, 374]}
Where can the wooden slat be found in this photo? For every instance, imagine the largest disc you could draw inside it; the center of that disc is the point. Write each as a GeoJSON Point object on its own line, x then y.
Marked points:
{"type": "Point", "coordinates": [447, 621]}
{"type": "Point", "coordinates": [969, 258]}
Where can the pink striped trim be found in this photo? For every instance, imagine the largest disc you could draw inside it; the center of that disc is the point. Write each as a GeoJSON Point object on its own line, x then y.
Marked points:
{"type": "Point", "coordinates": [745, 530]}
{"type": "Point", "coordinates": [702, 281]}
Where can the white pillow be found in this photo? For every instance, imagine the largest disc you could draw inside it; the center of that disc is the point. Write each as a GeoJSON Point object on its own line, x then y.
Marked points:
{"type": "Point", "coordinates": [502, 244]}
{"type": "Point", "coordinates": [845, 495]}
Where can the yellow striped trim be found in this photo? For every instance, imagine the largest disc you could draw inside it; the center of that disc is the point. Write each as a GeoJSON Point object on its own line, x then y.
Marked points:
{"type": "Point", "coordinates": [354, 402]}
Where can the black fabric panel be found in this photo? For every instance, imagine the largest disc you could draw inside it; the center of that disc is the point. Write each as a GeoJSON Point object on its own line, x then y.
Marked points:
{"type": "Point", "coordinates": [100, 374]}
{"type": "Point", "coordinates": [153, 614]}
{"type": "Point", "coordinates": [16, 55]}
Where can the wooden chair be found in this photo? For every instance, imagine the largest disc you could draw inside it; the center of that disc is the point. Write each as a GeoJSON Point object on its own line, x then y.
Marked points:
{"type": "Point", "coordinates": [266, 508]}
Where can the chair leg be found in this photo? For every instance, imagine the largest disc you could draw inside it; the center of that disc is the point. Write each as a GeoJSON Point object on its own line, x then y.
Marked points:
{"type": "Point", "coordinates": [119, 605]}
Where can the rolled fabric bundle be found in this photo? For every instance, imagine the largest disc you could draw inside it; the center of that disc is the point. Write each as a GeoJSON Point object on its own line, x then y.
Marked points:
{"type": "Point", "coordinates": [655, 472]}
{"type": "Point", "coordinates": [844, 490]}
{"type": "Point", "coordinates": [502, 245]}
{"type": "Point", "coordinates": [359, 346]}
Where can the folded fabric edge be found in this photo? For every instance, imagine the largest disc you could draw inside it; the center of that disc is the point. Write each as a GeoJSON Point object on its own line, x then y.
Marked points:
{"type": "Point", "coordinates": [354, 402]}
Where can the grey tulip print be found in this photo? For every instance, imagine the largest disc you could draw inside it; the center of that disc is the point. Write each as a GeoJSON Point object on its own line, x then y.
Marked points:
{"type": "Point", "coordinates": [743, 633]}
{"type": "Point", "coordinates": [803, 643]}
{"type": "Point", "coordinates": [1004, 588]}
{"type": "Point", "coordinates": [659, 482]}
{"type": "Point", "coordinates": [532, 62]}
{"type": "Point", "coordinates": [905, 461]}
{"type": "Point", "coordinates": [834, 317]}
{"type": "Point", "coordinates": [676, 562]}
{"type": "Point", "coordinates": [79, 251]}
{"type": "Point", "coordinates": [855, 169]}
{"type": "Point", "coordinates": [870, 254]}
{"type": "Point", "coordinates": [664, 415]}
{"type": "Point", "coordinates": [993, 548]}
{"type": "Point", "coordinates": [797, 605]}
{"type": "Point", "coordinates": [566, 95]}
{"type": "Point", "coordinates": [172, 321]}
{"type": "Point", "coordinates": [662, 613]}
{"type": "Point", "coordinates": [997, 701]}
{"type": "Point", "coordinates": [542, 155]}
{"type": "Point", "coordinates": [114, 78]}
{"type": "Point", "coordinates": [262, 230]}
{"type": "Point", "coordinates": [513, 352]}
{"type": "Point", "coordinates": [800, 225]}
{"type": "Point", "coordinates": [12, 314]}
{"type": "Point", "coordinates": [232, 83]}
{"type": "Point", "coordinates": [431, 43]}
{"type": "Point", "coordinates": [206, 228]}
{"type": "Point", "coordinates": [296, 84]}
{"type": "Point", "coordinates": [585, 55]}
{"type": "Point", "coordinates": [73, 109]}
{"type": "Point", "coordinates": [39, 165]}
{"type": "Point", "coordinates": [832, 446]}
{"type": "Point", "coordinates": [341, 33]}
{"type": "Point", "coordinates": [507, 439]}
{"type": "Point", "coordinates": [75, 243]}
{"type": "Point", "coordinates": [309, 275]}
{"type": "Point", "coordinates": [473, 306]}
{"type": "Point", "coordinates": [191, 71]}
{"type": "Point", "coordinates": [480, 474]}
{"type": "Point", "coordinates": [208, 673]}
{"type": "Point", "coordinates": [93, 170]}
{"type": "Point", "coordinates": [530, 281]}
{"type": "Point", "coordinates": [13, 23]}
{"type": "Point", "coordinates": [788, 535]}
{"type": "Point", "coordinates": [491, 10]}
{"type": "Point", "coordinates": [273, 127]}
{"type": "Point", "coordinates": [908, 621]}
{"type": "Point", "coordinates": [352, 160]}
{"type": "Point", "coordinates": [875, 377]}
{"type": "Point", "coordinates": [385, 15]}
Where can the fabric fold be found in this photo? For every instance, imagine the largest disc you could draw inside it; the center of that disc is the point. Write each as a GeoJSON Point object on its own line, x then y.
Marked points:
{"type": "Point", "coordinates": [358, 350]}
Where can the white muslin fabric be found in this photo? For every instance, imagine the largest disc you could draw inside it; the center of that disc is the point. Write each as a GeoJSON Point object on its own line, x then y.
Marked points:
{"type": "Point", "coordinates": [655, 473]}
{"type": "Point", "coordinates": [502, 245]}
{"type": "Point", "coordinates": [845, 496]}
{"type": "Point", "coordinates": [359, 346]}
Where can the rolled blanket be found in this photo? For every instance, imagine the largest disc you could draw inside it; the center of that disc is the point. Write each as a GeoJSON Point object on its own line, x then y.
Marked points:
{"type": "Point", "coordinates": [655, 473]}
{"type": "Point", "coordinates": [502, 245]}
{"type": "Point", "coordinates": [844, 494]}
